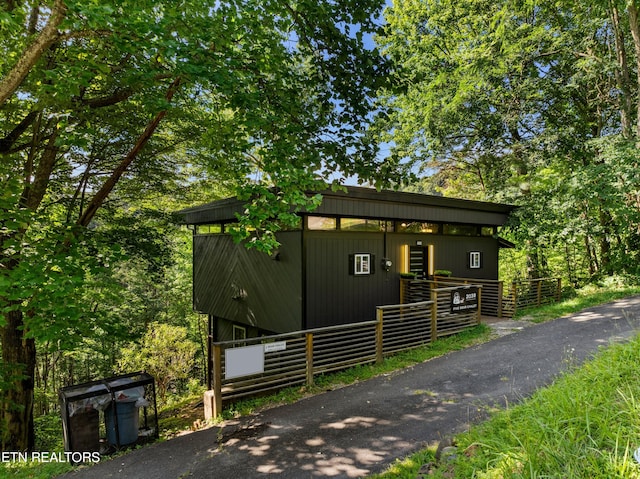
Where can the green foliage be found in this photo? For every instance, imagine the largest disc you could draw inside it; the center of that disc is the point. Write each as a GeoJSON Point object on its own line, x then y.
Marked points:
{"type": "Point", "coordinates": [525, 103]}
{"type": "Point", "coordinates": [34, 469]}
{"type": "Point", "coordinates": [408, 468]}
{"type": "Point", "coordinates": [165, 352]}
{"type": "Point", "coordinates": [49, 432]}
{"type": "Point", "coordinates": [125, 103]}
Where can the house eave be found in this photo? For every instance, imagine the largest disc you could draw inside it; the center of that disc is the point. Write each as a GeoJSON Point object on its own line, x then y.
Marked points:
{"type": "Point", "coordinates": [370, 203]}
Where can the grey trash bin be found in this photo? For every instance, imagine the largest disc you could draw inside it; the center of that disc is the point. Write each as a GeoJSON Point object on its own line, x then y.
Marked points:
{"type": "Point", "coordinates": [123, 415]}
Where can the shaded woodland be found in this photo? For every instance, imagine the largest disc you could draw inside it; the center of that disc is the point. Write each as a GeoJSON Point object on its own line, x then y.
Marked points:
{"type": "Point", "coordinates": [114, 115]}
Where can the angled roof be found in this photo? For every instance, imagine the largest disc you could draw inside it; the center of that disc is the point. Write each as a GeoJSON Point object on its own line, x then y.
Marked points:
{"type": "Point", "coordinates": [358, 202]}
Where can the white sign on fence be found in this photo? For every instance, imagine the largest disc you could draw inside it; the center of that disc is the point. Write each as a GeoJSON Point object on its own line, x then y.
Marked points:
{"type": "Point", "coordinates": [244, 361]}
{"type": "Point", "coordinates": [277, 346]}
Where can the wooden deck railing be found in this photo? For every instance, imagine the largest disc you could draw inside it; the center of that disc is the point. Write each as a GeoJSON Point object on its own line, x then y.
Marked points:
{"type": "Point", "coordinates": [296, 358]}
{"type": "Point", "coordinates": [497, 299]}
{"type": "Point", "coordinates": [535, 292]}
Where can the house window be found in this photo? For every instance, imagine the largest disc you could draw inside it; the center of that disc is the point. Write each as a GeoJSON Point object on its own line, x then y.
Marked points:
{"type": "Point", "coordinates": [418, 227]}
{"type": "Point", "coordinates": [460, 230]}
{"type": "Point", "coordinates": [321, 223]}
{"type": "Point", "coordinates": [209, 229]}
{"type": "Point", "coordinates": [362, 264]}
{"type": "Point", "coordinates": [475, 260]}
{"type": "Point", "coordinates": [361, 224]}
{"type": "Point", "coordinates": [239, 333]}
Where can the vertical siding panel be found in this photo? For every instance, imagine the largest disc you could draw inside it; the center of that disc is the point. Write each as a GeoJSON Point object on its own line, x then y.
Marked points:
{"type": "Point", "coordinates": [333, 295]}
{"type": "Point", "coordinates": [249, 287]}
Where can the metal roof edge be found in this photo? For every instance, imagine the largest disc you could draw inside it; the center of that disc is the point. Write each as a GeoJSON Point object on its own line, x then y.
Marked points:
{"type": "Point", "coordinates": [363, 194]}
{"type": "Point", "coordinates": [359, 192]}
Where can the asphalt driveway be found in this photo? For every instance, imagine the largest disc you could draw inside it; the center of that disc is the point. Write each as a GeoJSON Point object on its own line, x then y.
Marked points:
{"type": "Point", "coordinates": [361, 429]}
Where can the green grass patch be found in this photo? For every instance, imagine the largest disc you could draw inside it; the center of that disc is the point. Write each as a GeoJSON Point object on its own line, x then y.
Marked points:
{"type": "Point", "coordinates": [410, 467]}
{"type": "Point", "coordinates": [33, 469]}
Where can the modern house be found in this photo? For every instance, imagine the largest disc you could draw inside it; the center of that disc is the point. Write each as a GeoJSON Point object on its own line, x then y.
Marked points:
{"type": "Point", "coordinates": [346, 258]}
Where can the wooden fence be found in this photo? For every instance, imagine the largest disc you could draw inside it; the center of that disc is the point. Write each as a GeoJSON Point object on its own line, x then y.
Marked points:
{"type": "Point", "coordinates": [535, 292]}
{"type": "Point", "coordinates": [296, 358]}
{"type": "Point", "coordinates": [497, 300]}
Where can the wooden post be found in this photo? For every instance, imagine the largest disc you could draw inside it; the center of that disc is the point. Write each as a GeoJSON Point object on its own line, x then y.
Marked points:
{"type": "Point", "coordinates": [559, 289]}
{"type": "Point", "coordinates": [213, 397]}
{"type": "Point", "coordinates": [514, 296]}
{"type": "Point", "coordinates": [434, 315]}
{"type": "Point", "coordinates": [479, 316]}
{"type": "Point", "coordinates": [539, 299]}
{"type": "Point", "coordinates": [309, 353]}
{"type": "Point", "coordinates": [500, 298]}
{"type": "Point", "coordinates": [403, 290]}
{"type": "Point", "coordinates": [379, 335]}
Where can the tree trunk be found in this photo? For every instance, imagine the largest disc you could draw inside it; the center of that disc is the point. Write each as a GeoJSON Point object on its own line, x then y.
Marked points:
{"type": "Point", "coordinates": [533, 262]}
{"type": "Point", "coordinates": [591, 256]}
{"type": "Point", "coordinates": [16, 400]}
{"type": "Point", "coordinates": [622, 74]}
{"type": "Point", "coordinates": [606, 223]}
{"type": "Point", "coordinates": [634, 26]}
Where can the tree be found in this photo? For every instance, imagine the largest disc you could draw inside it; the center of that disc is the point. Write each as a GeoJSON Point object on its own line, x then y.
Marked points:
{"type": "Point", "coordinates": [165, 352]}
{"type": "Point", "coordinates": [95, 98]}
{"type": "Point", "coordinates": [522, 102]}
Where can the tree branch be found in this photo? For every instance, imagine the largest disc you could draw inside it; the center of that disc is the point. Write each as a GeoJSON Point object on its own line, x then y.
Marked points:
{"type": "Point", "coordinates": [8, 141]}
{"type": "Point", "coordinates": [32, 54]}
{"type": "Point", "coordinates": [634, 26]}
{"type": "Point", "coordinates": [108, 186]}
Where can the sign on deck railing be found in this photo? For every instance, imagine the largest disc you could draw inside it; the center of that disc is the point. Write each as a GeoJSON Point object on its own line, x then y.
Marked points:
{"type": "Point", "coordinates": [464, 299]}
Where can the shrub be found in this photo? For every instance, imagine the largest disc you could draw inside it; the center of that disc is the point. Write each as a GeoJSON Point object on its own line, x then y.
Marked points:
{"type": "Point", "coordinates": [165, 352]}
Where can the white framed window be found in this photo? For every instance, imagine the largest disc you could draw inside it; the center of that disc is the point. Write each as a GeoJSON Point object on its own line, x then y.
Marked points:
{"type": "Point", "coordinates": [362, 263]}
{"type": "Point", "coordinates": [475, 260]}
{"type": "Point", "coordinates": [239, 333]}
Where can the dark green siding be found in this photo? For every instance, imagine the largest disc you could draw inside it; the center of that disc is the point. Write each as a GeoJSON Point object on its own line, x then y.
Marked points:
{"type": "Point", "coordinates": [450, 253]}
{"type": "Point", "coordinates": [333, 295]}
{"type": "Point", "coordinates": [246, 286]}
{"type": "Point", "coordinates": [311, 285]}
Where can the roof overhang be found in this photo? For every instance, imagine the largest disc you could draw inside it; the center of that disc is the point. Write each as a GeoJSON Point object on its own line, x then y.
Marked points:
{"type": "Point", "coordinates": [503, 243]}
{"type": "Point", "coordinates": [359, 202]}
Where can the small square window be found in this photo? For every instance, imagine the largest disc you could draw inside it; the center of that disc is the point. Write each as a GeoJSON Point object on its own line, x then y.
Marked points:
{"type": "Point", "coordinates": [362, 264]}
{"type": "Point", "coordinates": [475, 260]}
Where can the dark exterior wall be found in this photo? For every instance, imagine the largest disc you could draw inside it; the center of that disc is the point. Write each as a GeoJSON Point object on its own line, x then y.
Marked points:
{"type": "Point", "coordinates": [450, 253]}
{"type": "Point", "coordinates": [252, 289]}
{"type": "Point", "coordinates": [248, 287]}
{"type": "Point", "coordinates": [333, 296]}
